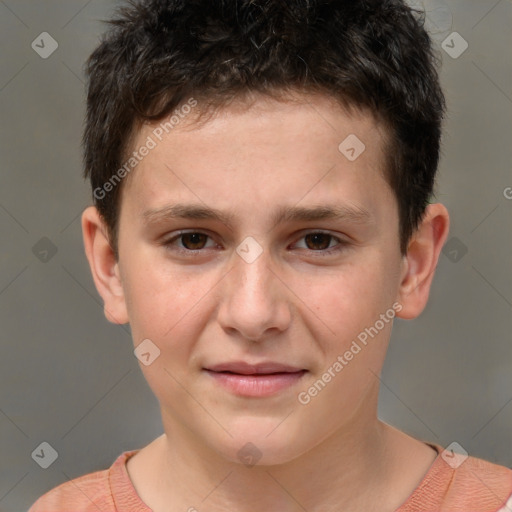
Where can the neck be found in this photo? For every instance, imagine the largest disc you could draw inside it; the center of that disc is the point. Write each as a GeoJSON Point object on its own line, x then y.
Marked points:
{"type": "Point", "coordinates": [346, 467]}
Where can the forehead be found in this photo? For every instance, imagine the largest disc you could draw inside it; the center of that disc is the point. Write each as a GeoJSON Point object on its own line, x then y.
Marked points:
{"type": "Point", "coordinates": [262, 149]}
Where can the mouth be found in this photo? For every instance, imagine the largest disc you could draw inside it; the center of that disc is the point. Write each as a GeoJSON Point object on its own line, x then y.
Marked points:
{"type": "Point", "coordinates": [255, 380]}
{"type": "Point", "coordinates": [243, 368]}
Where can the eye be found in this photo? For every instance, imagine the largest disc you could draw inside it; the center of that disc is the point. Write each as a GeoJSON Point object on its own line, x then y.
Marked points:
{"type": "Point", "coordinates": [320, 242]}
{"type": "Point", "coordinates": [191, 241]}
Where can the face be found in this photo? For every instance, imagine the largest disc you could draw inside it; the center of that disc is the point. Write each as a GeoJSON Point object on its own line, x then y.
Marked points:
{"type": "Point", "coordinates": [271, 313]}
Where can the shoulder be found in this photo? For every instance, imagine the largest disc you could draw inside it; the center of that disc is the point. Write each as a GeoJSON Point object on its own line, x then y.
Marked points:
{"type": "Point", "coordinates": [478, 484]}
{"type": "Point", "coordinates": [88, 493]}
{"type": "Point", "coordinates": [463, 484]}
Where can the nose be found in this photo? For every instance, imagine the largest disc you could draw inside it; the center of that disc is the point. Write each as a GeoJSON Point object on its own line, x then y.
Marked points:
{"type": "Point", "coordinates": [255, 300]}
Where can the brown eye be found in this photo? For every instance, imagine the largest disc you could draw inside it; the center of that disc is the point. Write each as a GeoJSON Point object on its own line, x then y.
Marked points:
{"type": "Point", "coordinates": [193, 241]}
{"type": "Point", "coordinates": [318, 241]}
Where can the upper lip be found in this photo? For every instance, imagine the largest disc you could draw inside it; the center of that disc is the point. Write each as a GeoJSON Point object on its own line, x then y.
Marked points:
{"type": "Point", "coordinates": [244, 368]}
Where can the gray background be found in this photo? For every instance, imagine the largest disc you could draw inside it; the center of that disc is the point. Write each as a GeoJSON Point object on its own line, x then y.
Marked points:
{"type": "Point", "coordinates": [69, 378]}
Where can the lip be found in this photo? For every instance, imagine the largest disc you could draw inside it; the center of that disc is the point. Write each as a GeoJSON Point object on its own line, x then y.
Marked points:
{"type": "Point", "coordinates": [255, 380]}
{"type": "Point", "coordinates": [243, 368]}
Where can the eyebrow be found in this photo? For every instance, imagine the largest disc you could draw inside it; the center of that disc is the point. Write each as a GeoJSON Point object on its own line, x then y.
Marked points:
{"type": "Point", "coordinates": [354, 214]}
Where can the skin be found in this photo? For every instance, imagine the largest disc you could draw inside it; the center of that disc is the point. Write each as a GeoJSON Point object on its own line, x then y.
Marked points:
{"type": "Point", "coordinates": [290, 305]}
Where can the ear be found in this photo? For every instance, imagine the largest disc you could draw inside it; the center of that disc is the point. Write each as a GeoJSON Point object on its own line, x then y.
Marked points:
{"type": "Point", "coordinates": [420, 261]}
{"type": "Point", "coordinates": [104, 266]}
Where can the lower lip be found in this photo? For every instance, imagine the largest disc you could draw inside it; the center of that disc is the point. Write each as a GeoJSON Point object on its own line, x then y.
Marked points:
{"type": "Point", "coordinates": [256, 385]}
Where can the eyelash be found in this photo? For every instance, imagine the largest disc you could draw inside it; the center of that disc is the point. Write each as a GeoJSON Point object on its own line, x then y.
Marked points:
{"type": "Point", "coordinates": [196, 252]}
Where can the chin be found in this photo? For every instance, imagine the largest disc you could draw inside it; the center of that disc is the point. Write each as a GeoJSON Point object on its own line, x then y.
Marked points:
{"type": "Point", "coordinates": [262, 442]}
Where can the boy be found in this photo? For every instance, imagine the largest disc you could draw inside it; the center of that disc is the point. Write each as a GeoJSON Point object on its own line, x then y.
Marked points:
{"type": "Point", "coordinates": [224, 141]}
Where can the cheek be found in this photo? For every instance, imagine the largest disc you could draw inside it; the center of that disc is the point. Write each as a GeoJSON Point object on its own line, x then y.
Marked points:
{"type": "Point", "coordinates": [161, 303]}
{"type": "Point", "coordinates": [351, 303]}
{"type": "Point", "coordinates": [349, 299]}
{"type": "Point", "coordinates": [166, 308]}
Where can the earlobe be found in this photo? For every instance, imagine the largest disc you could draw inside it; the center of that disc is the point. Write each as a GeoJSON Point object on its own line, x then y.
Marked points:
{"type": "Point", "coordinates": [421, 260]}
{"type": "Point", "coordinates": [104, 267]}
